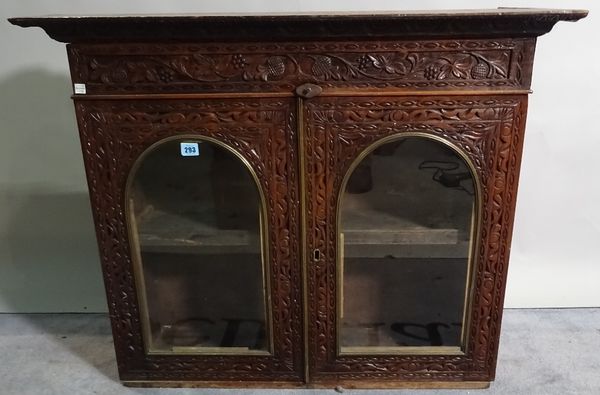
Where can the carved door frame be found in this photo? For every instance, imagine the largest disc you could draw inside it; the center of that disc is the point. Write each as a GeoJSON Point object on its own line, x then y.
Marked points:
{"type": "Point", "coordinates": [488, 130]}
{"type": "Point", "coordinates": [114, 134]}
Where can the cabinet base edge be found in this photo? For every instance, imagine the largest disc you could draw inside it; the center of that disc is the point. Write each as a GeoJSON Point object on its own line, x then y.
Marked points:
{"type": "Point", "coordinates": [375, 384]}
{"type": "Point", "coordinates": [330, 385]}
{"type": "Point", "coordinates": [211, 384]}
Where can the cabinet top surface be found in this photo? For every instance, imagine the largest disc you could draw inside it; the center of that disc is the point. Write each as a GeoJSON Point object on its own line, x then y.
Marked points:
{"type": "Point", "coordinates": [501, 22]}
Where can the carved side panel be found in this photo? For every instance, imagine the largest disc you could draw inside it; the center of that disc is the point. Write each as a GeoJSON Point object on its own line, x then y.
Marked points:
{"type": "Point", "coordinates": [226, 67]}
{"type": "Point", "coordinates": [113, 135]}
{"type": "Point", "coordinates": [489, 131]}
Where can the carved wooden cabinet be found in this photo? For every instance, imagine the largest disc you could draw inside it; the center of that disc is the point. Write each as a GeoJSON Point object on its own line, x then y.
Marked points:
{"type": "Point", "coordinates": [314, 200]}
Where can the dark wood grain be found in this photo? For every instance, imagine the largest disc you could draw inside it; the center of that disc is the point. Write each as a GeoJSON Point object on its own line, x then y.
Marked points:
{"type": "Point", "coordinates": [489, 131]}
{"type": "Point", "coordinates": [263, 132]}
{"type": "Point", "coordinates": [461, 77]}
{"type": "Point", "coordinates": [503, 22]}
{"type": "Point", "coordinates": [484, 64]}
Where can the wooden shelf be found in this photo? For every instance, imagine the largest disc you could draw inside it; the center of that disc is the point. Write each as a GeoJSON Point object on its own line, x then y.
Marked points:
{"type": "Point", "coordinates": [171, 233]}
{"type": "Point", "coordinates": [405, 213]}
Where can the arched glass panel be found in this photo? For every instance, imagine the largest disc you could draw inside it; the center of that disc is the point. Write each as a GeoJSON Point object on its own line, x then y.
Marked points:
{"type": "Point", "coordinates": [405, 229]}
{"type": "Point", "coordinates": [196, 217]}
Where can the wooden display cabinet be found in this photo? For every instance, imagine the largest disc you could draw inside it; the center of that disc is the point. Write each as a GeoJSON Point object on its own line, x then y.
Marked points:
{"type": "Point", "coordinates": [319, 200]}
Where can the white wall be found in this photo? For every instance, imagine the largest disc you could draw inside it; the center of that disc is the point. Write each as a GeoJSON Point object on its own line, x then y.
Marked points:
{"type": "Point", "coordinates": [48, 257]}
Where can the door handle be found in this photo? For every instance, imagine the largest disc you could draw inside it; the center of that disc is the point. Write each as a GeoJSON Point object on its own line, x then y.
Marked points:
{"type": "Point", "coordinates": [306, 91]}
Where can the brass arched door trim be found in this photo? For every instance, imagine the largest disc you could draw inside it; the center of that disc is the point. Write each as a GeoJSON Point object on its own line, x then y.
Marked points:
{"type": "Point", "coordinates": [471, 265]}
{"type": "Point", "coordinates": [134, 245]}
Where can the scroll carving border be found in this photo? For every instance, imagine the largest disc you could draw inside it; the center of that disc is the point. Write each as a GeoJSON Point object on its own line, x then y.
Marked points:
{"type": "Point", "coordinates": [489, 131]}
{"type": "Point", "coordinates": [113, 135]}
{"type": "Point", "coordinates": [268, 67]}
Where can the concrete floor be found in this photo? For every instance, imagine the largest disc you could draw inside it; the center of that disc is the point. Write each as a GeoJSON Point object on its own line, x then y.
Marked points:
{"type": "Point", "coordinates": [541, 352]}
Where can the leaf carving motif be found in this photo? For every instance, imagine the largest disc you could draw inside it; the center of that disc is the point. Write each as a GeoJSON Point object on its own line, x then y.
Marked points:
{"type": "Point", "coordinates": [429, 64]}
{"type": "Point", "coordinates": [487, 131]}
{"type": "Point", "coordinates": [114, 135]}
{"type": "Point", "coordinates": [324, 67]}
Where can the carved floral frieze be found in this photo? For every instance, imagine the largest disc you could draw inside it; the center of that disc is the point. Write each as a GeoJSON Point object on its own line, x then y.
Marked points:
{"type": "Point", "coordinates": [117, 68]}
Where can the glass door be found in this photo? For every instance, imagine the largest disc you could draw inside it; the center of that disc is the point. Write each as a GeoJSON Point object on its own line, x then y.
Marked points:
{"type": "Point", "coordinates": [198, 217]}
{"type": "Point", "coordinates": [391, 217]}
{"type": "Point", "coordinates": [213, 235]}
{"type": "Point", "coordinates": [405, 220]}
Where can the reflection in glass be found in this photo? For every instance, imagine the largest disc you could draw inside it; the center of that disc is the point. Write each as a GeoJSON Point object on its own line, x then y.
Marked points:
{"type": "Point", "coordinates": [197, 222]}
{"type": "Point", "coordinates": [406, 218]}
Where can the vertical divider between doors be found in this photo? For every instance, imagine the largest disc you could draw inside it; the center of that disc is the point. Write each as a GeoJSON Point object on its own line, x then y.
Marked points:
{"type": "Point", "coordinates": [303, 256]}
